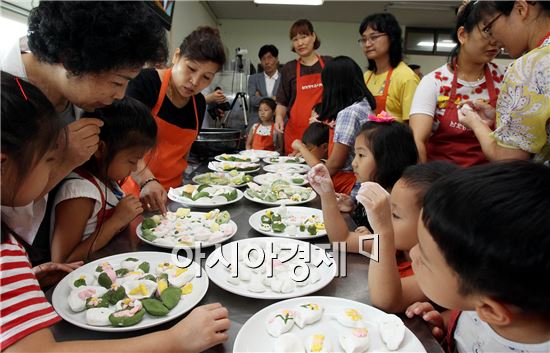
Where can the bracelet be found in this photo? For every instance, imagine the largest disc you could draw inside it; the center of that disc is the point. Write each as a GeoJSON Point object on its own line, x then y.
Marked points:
{"type": "Point", "coordinates": [148, 181]}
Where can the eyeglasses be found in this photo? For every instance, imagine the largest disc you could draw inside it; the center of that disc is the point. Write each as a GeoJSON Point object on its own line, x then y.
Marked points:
{"type": "Point", "coordinates": [372, 39]}
{"type": "Point", "coordinates": [487, 30]}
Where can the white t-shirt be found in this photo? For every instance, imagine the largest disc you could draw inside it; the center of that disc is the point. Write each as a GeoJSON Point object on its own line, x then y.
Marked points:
{"type": "Point", "coordinates": [270, 83]}
{"type": "Point", "coordinates": [263, 130]}
{"type": "Point", "coordinates": [75, 186]}
{"type": "Point", "coordinates": [433, 91]}
{"type": "Point", "coordinates": [474, 335]}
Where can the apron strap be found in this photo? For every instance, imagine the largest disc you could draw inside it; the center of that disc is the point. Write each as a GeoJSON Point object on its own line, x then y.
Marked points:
{"type": "Point", "coordinates": [88, 176]}
{"type": "Point", "coordinates": [162, 93]}
{"type": "Point", "coordinates": [386, 84]}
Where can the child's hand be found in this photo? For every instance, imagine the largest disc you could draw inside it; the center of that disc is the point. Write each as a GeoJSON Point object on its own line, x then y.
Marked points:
{"type": "Point", "coordinates": [376, 201]}
{"type": "Point", "coordinates": [50, 273]}
{"type": "Point", "coordinates": [320, 181]}
{"type": "Point", "coordinates": [296, 145]}
{"type": "Point", "coordinates": [430, 315]}
{"type": "Point", "coordinates": [345, 203]}
{"type": "Point", "coordinates": [127, 209]}
{"type": "Point", "coordinates": [203, 328]}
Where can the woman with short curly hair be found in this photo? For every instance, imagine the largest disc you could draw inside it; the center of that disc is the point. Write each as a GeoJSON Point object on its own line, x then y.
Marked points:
{"type": "Point", "coordinates": [80, 54]}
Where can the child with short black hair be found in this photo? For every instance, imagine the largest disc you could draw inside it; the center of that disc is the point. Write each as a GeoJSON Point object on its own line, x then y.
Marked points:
{"type": "Point", "coordinates": [484, 249]}
{"type": "Point", "coordinates": [262, 135]}
{"type": "Point", "coordinates": [394, 217]}
{"type": "Point", "coordinates": [315, 138]}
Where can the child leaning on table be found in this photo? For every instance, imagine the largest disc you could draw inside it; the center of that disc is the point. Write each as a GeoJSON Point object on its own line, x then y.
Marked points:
{"type": "Point", "coordinates": [31, 135]}
{"type": "Point", "coordinates": [394, 217]}
{"type": "Point", "coordinates": [484, 251]}
{"type": "Point", "coordinates": [90, 208]}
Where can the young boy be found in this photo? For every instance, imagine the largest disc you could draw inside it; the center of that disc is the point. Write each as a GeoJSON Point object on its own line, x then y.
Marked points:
{"type": "Point", "coordinates": [315, 139]}
{"type": "Point", "coordinates": [484, 248]}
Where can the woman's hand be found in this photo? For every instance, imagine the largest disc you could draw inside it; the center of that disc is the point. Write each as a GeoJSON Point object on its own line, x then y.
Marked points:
{"type": "Point", "coordinates": [50, 273]}
{"type": "Point", "coordinates": [430, 315]}
{"type": "Point", "coordinates": [203, 328]}
{"type": "Point", "coordinates": [470, 113]}
{"type": "Point", "coordinates": [320, 181]}
{"type": "Point", "coordinates": [376, 201]}
{"type": "Point", "coordinates": [82, 141]}
{"type": "Point", "coordinates": [279, 125]}
{"type": "Point", "coordinates": [216, 97]}
{"type": "Point", "coordinates": [127, 209]}
{"type": "Point", "coordinates": [153, 197]}
{"type": "Point", "coordinates": [345, 203]}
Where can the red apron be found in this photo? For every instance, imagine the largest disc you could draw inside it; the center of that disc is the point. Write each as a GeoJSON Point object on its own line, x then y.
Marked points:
{"type": "Point", "coordinates": [343, 181]}
{"type": "Point", "coordinates": [167, 160]}
{"type": "Point", "coordinates": [452, 141]}
{"type": "Point", "coordinates": [381, 100]}
{"type": "Point", "coordinates": [405, 269]}
{"type": "Point", "coordinates": [104, 214]}
{"type": "Point", "coordinates": [449, 339]}
{"type": "Point", "coordinates": [266, 143]}
{"type": "Point", "coordinates": [309, 92]}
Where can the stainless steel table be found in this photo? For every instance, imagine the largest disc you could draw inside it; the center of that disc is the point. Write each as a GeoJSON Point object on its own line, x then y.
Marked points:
{"type": "Point", "coordinates": [354, 286]}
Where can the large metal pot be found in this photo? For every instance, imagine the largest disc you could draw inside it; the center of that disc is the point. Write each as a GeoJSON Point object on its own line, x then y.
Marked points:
{"type": "Point", "coordinates": [212, 142]}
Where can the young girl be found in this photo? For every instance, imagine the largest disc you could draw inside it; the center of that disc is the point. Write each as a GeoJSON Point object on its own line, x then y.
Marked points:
{"type": "Point", "coordinates": [470, 75]}
{"type": "Point", "coordinates": [28, 154]}
{"type": "Point", "coordinates": [383, 149]}
{"type": "Point", "coordinates": [347, 103]}
{"type": "Point", "coordinates": [262, 135]}
{"type": "Point", "coordinates": [90, 208]}
{"type": "Point", "coordinates": [395, 219]}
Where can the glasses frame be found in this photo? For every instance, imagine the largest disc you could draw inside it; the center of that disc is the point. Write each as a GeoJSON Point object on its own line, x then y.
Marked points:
{"type": "Point", "coordinates": [487, 30]}
{"type": "Point", "coordinates": [372, 38]}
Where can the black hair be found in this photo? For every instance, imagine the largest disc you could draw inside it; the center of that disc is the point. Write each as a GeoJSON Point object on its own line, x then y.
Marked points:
{"type": "Point", "coordinates": [127, 123]}
{"type": "Point", "coordinates": [304, 27]}
{"type": "Point", "coordinates": [30, 125]}
{"type": "Point", "coordinates": [414, 66]}
{"type": "Point", "coordinates": [421, 176]}
{"type": "Point", "coordinates": [204, 44]}
{"type": "Point", "coordinates": [316, 134]}
{"type": "Point", "coordinates": [96, 36]}
{"type": "Point", "coordinates": [268, 48]}
{"type": "Point", "coordinates": [392, 145]}
{"type": "Point", "coordinates": [385, 23]}
{"type": "Point", "coordinates": [492, 224]}
{"type": "Point", "coordinates": [506, 7]}
{"type": "Point", "coordinates": [343, 85]}
{"type": "Point", "coordinates": [269, 102]}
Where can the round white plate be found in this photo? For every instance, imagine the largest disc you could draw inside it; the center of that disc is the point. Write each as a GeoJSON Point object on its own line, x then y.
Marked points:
{"type": "Point", "coordinates": [197, 179]}
{"type": "Point", "coordinates": [280, 202]}
{"type": "Point", "coordinates": [287, 168]}
{"type": "Point", "coordinates": [268, 178]}
{"type": "Point", "coordinates": [305, 212]}
{"type": "Point", "coordinates": [175, 195]}
{"type": "Point", "coordinates": [259, 153]}
{"type": "Point", "coordinates": [218, 273]}
{"type": "Point", "coordinates": [217, 167]}
{"type": "Point", "coordinates": [187, 302]}
{"type": "Point", "coordinates": [283, 159]}
{"type": "Point", "coordinates": [253, 336]}
{"type": "Point", "coordinates": [252, 159]}
{"type": "Point", "coordinates": [203, 244]}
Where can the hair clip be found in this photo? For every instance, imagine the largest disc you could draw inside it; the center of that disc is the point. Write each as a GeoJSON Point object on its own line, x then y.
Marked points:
{"type": "Point", "coordinates": [382, 117]}
{"type": "Point", "coordinates": [21, 88]}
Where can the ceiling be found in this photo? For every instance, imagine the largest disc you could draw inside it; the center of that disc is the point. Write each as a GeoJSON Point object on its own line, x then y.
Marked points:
{"type": "Point", "coordinates": [409, 13]}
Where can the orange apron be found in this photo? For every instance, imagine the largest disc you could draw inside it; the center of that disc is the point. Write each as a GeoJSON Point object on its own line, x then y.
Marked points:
{"type": "Point", "coordinates": [343, 181]}
{"type": "Point", "coordinates": [381, 100]}
{"type": "Point", "coordinates": [167, 160]}
{"type": "Point", "coordinates": [266, 143]}
{"type": "Point", "coordinates": [309, 92]}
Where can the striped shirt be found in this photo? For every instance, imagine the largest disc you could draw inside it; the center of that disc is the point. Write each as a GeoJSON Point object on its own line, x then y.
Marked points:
{"type": "Point", "coordinates": [23, 306]}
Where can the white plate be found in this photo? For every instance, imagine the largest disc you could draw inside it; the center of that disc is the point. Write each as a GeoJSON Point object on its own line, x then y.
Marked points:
{"type": "Point", "coordinates": [219, 274]}
{"type": "Point", "coordinates": [217, 167]}
{"type": "Point", "coordinates": [287, 168]}
{"type": "Point", "coordinates": [304, 212]}
{"type": "Point", "coordinates": [280, 202]}
{"type": "Point", "coordinates": [225, 176]}
{"type": "Point", "coordinates": [253, 336]}
{"type": "Point", "coordinates": [259, 153]}
{"type": "Point", "coordinates": [252, 159]}
{"type": "Point", "coordinates": [203, 244]}
{"type": "Point", "coordinates": [268, 178]}
{"type": "Point", "coordinates": [187, 302]}
{"type": "Point", "coordinates": [175, 195]}
{"type": "Point", "coordinates": [283, 159]}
